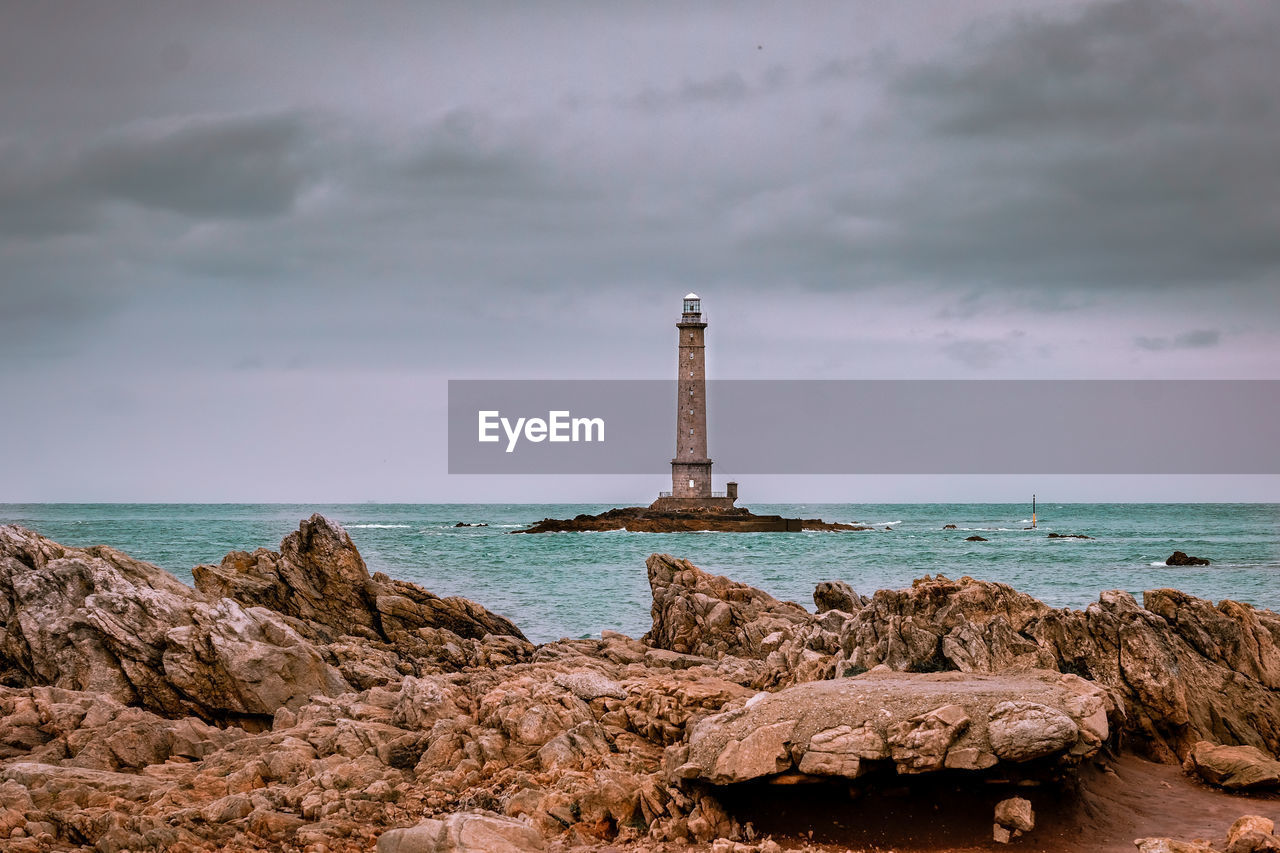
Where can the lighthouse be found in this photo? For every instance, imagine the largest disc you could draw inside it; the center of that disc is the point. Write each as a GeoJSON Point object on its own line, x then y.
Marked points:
{"type": "Point", "coordinates": [691, 466]}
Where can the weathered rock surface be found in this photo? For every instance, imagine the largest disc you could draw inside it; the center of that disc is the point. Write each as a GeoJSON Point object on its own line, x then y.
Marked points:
{"type": "Point", "coordinates": [1252, 834]}
{"type": "Point", "coordinates": [1249, 834]}
{"type": "Point", "coordinates": [1236, 768]}
{"type": "Point", "coordinates": [1179, 558]}
{"type": "Point", "coordinates": [709, 615]}
{"type": "Point", "coordinates": [144, 715]}
{"type": "Point", "coordinates": [1186, 669]}
{"type": "Point", "coordinates": [837, 595]}
{"type": "Point", "coordinates": [319, 577]}
{"type": "Point", "coordinates": [1013, 817]}
{"type": "Point", "coordinates": [464, 832]}
{"type": "Point", "coordinates": [912, 722]}
{"type": "Point", "coordinates": [97, 620]}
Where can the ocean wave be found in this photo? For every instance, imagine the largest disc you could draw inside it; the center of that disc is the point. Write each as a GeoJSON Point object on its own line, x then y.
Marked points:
{"type": "Point", "coordinates": [883, 523]}
{"type": "Point", "coordinates": [377, 526]}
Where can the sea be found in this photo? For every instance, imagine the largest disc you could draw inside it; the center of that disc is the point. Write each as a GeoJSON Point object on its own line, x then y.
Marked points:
{"type": "Point", "coordinates": [577, 584]}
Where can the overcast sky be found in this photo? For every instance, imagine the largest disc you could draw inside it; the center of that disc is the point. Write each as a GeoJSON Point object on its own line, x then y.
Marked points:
{"type": "Point", "coordinates": [244, 245]}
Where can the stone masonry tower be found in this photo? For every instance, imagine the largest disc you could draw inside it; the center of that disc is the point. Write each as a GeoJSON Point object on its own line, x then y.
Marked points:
{"type": "Point", "coordinates": [691, 468]}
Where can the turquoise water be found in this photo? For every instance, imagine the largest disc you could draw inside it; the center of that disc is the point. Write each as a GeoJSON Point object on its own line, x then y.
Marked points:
{"type": "Point", "coordinates": [575, 584]}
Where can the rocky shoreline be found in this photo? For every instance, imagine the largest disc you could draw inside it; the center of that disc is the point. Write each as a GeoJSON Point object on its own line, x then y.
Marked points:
{"type": "Point", "coordinates": [294, 701]}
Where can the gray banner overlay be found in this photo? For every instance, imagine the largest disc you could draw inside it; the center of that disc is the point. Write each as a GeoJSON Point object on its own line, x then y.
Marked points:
{"type": "Point", "coordinates": [873, 426]}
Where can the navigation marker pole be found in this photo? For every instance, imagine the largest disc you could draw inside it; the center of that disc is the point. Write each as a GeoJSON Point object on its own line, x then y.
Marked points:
{"type": "Point", "coordinates": [1033, 512]}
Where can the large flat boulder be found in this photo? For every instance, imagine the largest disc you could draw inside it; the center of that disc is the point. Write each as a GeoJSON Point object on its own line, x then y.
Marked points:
{"type": "Point", "coordinates": [1236, 768]}
{"type": "Point", "coordinates": [913, 722]}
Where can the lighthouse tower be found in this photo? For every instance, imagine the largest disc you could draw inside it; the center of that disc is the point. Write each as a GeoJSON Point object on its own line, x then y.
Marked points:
{"type": "Point", "coordinates": [691, 467]}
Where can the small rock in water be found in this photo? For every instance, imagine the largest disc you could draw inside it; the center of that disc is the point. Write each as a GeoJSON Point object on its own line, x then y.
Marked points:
{"type": "Point", "coordinates": [1179, 558]}
{"type": "Point", "coordinates": [1068, 536]}
{"type": "Point", "coordinates": [471, 524]}
{"type": "Point", "coordinates": [948, 527]}
{"type": "Point", "coordinates": [975, 539]}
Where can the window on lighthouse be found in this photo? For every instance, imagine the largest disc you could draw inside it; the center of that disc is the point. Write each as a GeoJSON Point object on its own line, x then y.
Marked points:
{"type": "Point", "coordinates": [691, 484]}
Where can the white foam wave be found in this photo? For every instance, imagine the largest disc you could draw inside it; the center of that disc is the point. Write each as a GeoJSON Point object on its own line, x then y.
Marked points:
{"type": "Point", "coordinates": [1160, 564]}
{"type": "Point", "coordinates": [377, 526]}
{"type": "Point", "coordinates": [883, 523]}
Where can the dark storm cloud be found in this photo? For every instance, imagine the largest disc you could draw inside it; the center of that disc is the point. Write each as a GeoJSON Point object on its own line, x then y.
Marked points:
{"type": "Point", "coordinates": [237, 167]}
{"type": "Point", "coordinates": [1131, 145]}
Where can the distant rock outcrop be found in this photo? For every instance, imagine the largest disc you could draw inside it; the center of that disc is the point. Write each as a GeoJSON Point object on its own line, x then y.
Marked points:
{"type": "Point", "coordinates": [1179, 558]}
{"type": "Point", "coordinates": [639, 519]}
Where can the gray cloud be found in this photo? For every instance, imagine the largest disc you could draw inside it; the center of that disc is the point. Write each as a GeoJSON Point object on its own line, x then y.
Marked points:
{"type": "Point", "coordinates": [237, 167]}
{"type": "Point", "coordinates": [234, 167]}
{"type": "Point", "coordinates": [1125, 147]}
{"type": "Point", "coordinates": [1195, 339]}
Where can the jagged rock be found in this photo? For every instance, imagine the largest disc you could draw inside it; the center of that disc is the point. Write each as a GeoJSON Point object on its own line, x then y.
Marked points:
{"type": "Point", "coordinates": [1236, 768]}
{"type": "Point", "coordinates": [1179, 558]}
{"type": "Point", "coordinates": [1013, 817]}
{"type": "Point", "coordinates": [916, 721]}
{"type": "Point", "coordinates": [948, 527]}
{"type": "Point", "coordinates": [1068, 536]}
{"type": "Point", "coordinates": [703, 614]}
{"type": "Point", "coordinates": [837, 595]}
{"type": "Point", "coordinates": [95, 619]}
{"type": "Point", "coordinates": [1252, 834]}
{"type": "Point", "coordinates": [1185, 669]}
{"type": "Point", "coordinates": [319, 577]}
{"type": "Point", "coordinates": [465, 832]}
